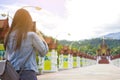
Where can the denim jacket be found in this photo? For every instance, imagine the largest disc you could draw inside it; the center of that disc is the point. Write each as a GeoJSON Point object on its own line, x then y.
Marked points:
{"type": "Point", "coordinates": [29, 46]}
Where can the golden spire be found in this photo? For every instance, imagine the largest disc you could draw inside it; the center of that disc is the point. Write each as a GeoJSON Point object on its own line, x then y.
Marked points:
{"type": "Point", "coordinates": [103, 42]}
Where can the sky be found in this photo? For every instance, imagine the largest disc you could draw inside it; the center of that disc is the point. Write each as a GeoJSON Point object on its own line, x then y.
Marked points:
{"type": "Point", "coordinates": [82, 19]}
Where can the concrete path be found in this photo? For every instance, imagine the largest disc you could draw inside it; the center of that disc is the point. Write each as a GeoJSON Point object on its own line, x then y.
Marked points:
{"type": "Point", "coordinates": [94, 72]}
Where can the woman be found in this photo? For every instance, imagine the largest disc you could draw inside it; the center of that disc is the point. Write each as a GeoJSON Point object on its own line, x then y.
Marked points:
{"type": "Point", "coordinates": [21, 42]}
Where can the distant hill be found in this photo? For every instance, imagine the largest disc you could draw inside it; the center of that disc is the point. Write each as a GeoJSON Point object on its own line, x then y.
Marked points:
{"type": "Point", "coordinates": [91, 45]}
{"type": "Point", "coordinates": [113, 36]}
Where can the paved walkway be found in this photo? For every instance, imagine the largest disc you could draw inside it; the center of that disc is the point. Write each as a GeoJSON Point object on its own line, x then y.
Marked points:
{"type": "Point", "coordinates": [94, 72]}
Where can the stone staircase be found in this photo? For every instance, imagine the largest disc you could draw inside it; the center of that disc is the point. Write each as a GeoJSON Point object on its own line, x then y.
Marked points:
{"type": "Point", "coordinates": [103, 60]}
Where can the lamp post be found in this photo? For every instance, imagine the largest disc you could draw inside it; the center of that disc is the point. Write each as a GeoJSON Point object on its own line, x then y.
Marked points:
{"type": "Point", "coordinates": [59, 56]}
{"type": "Point", "coordinates": [71, 45]}
{"type": "Point", "coordinates": [5, 15]}
{"type": "Point", "coordinates": [58, 35]}
{"type": "Point", "coordinates": [36, 7]}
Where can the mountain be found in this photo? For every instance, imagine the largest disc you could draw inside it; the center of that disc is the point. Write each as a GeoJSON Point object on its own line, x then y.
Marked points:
{"type": "Point", "coordinates": [113, 36]}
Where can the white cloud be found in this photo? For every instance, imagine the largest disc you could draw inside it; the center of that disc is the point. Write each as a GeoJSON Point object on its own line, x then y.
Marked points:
{"type": "Point", "coordinates": [89, 18]}
{"type": "Point", "coordinates": [84, 19]}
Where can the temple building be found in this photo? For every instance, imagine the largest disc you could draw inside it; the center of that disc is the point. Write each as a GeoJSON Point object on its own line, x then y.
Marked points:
{"type": "Point", "coordinates": [103, 53]}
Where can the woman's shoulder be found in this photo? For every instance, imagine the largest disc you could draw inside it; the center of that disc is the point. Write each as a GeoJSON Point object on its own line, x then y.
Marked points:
{"type": "Point", "coordinates": [31, 34]}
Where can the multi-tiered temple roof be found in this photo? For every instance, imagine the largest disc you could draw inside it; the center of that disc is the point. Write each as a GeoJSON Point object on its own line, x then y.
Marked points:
{"type": "Point", "coordinates": [4, 27]}
{"type": "Point", "coordinates": [103, 50]}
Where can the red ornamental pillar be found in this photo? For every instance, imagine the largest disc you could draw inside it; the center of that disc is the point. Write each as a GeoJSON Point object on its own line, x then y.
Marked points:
{"type": "Point", "coordinates": [66, 50]}
{"type": "Point", "coordinates": [66, 57]}
{"type": "Point", "coordinates": [49, 41]}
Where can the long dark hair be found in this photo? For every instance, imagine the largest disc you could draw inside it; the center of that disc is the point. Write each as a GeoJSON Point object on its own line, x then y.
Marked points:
{"type": "Point", "coordinates": [22, 23]}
